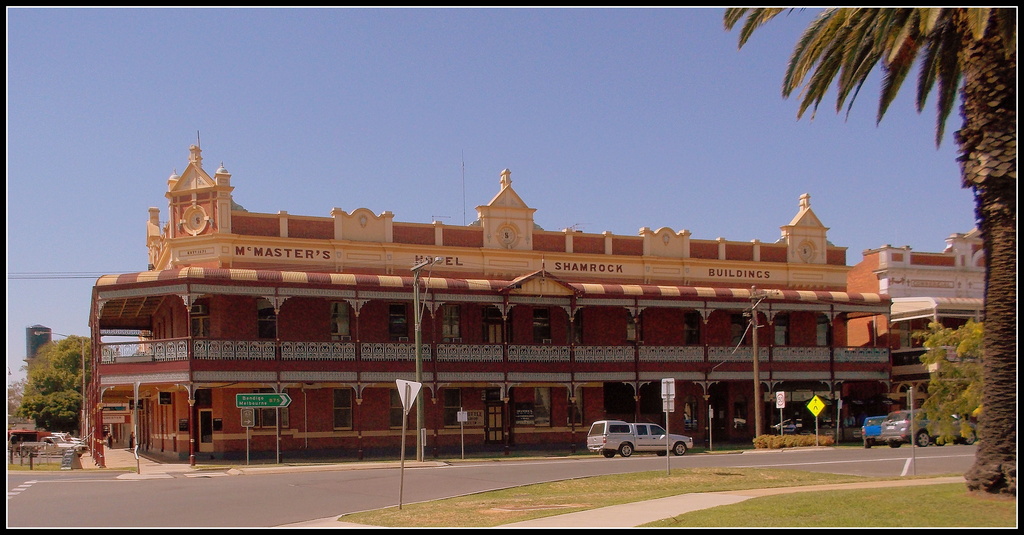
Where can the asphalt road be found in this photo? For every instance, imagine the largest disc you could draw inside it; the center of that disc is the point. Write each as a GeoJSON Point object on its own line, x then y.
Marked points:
{"type": "Point", "coordinates": [92, 498]}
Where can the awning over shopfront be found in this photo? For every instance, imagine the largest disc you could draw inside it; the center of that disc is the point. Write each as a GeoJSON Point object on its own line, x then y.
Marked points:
{"type": "Point", "coordinates": [909, 308]}
{"type": "Point", "coordinates": [136, 295]}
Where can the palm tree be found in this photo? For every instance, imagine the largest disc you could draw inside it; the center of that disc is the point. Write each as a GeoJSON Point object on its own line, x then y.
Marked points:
{"type": "Point", "coordinates": [970, 54]}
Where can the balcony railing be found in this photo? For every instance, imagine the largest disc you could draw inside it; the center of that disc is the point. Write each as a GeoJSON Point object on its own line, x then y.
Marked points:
{"type": "Point", "coordinates": [263, 350]}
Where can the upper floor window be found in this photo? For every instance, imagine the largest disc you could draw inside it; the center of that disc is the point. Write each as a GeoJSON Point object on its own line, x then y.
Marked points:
{"type": "Point", "coordinates": [541, 326]}
{"type": "Point", "coordinates": [824, 331]}
{"type": "Point", "coordinates": [340, 322]}
{"type": "Point", "coordinates": [738, 329]}
{"type": "Point", "coordinates": [450, 323]}
{"type": "Point", "coordinates": [398, 322]}
{"type": "Point", "coordinates": [691, 328]}
{"type": "Point", "coordinates": [781, 323]}
{"type": "Point", "coordinates": [577, 327]}
{"type": "Point", "coordinates": [199, 316]}
{"type": "Point", "coordinates": [266, 319]}
{"type": "Point", "coordinates": [630, 327]}
{"type": "Point", "coordinates": [494, 326]}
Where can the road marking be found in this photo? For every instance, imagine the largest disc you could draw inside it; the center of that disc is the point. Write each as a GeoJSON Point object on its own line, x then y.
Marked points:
{"type": "Point", "coordinates": [17, 490]}
{"type": "Point", "coordinates": [907, 465]}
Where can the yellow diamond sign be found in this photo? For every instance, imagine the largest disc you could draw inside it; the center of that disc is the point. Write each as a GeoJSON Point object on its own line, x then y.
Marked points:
{"type": "Point", "coordinates": [815, 405]}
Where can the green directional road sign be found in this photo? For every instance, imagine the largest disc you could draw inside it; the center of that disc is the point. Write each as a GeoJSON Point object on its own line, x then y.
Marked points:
{"type": "Point", "coordinates": [262, 400]}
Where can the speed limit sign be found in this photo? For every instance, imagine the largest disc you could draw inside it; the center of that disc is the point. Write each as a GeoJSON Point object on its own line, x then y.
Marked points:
{"type": "Point", "coordinates": [780, 400]}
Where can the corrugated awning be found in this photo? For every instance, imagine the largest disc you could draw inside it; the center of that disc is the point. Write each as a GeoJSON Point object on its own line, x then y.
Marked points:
{"type": "Point", "coordinates": [269, 277]}
{"type": "Point", "coordinates": [909, 308]}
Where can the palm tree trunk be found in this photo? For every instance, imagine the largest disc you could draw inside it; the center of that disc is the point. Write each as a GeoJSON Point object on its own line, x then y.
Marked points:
{"type": "Point", "coordinates": [988, 159]}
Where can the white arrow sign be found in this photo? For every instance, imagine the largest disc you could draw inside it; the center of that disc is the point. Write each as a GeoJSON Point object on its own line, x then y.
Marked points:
{"type": "Point", "coordinates": [408, 390]}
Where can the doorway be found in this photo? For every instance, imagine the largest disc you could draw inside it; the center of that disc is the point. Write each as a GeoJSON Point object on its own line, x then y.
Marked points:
{"type": "Point", "coordinates": [494, 423]}
{"type": "Point", "coordinates": [205, 430]}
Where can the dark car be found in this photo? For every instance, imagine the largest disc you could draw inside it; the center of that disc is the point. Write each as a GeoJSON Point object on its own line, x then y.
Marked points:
{"type": "Point", "coordinates": [871, 430]}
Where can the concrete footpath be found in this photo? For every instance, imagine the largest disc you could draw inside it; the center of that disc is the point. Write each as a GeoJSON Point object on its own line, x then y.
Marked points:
{"type": "Point", "coordinates": [625, 515]}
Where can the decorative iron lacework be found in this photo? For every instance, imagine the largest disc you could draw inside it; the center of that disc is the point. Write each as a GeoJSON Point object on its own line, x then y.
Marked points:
{"type": "Point", "coordinates": [800, 354]}
{"type": "Point", "coordinates": [167, 350]}
{"type": "Point", "coordinates": [862, 354]}
{"type": "Point", "coordinates": [319, 377]}
{"type": "Point", "coordinates": [482, 377]}
{"type": "Point", "coordinates": [235, 376]}
{"type": "Point", "coordinates": [538, 353]}
{"type": "Point", "coordinates": [528, 377]}
{"type": "Point", "coordinates": [318, 351]}
{"type": "Point", "coordinates": [468, 353]}
{"type": "Point", "coordinates": [389, 378]}
{"type": "Point", "coordinates": [603, 376]}
{"type": "Point", "coordinates": [393, 351]}
{"type": "Point", "coordinates": [672, 354]}
{"type": "Point", "coordinates": [725, 353]}
{"type": "Point", "coordinates": [233, 349]}
{"type": "Point", "coordinates": [604, 354]}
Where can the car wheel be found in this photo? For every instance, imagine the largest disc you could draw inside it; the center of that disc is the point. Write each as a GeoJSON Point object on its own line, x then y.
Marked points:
{"type": "Point", "coordinates": [679, 449]}
{"type": "Point", "coordinates": [923, 440]}
{"type": "Point", "coordinates": [626, 449]}
{"type": "Point", "coordinates": [867, 443]}
{"type": "Point", "coordinates": [608, 453]}
{"type": "Point", "coordinates": [970, 440]}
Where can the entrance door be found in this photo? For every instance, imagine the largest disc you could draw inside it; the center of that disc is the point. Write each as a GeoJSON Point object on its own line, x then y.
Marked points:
{"type": "Point", "coordinates": [205, 430]}
{"type": "Point", "coordinates": [494, 424]}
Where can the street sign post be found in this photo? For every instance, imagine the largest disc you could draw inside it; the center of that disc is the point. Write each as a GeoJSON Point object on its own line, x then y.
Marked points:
{"type": "Point", "coordinates": [262, 400]}
{"type": "Point", "coordinates": [408, 391]}
{"type": "Point", "coordinates": [780, 403]}
{"type": "Point", "coordinates": [248, 417]}
{"type": "Point", "coordinates": [815, 405]}
{"type": "Point", "coordinates": [668, 399]}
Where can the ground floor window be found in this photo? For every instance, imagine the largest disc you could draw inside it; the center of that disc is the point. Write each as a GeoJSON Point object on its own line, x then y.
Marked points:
{"type": "Point", "coordinates": [452, 406]}
{"type": "Point", "coordinates": [343, 408]}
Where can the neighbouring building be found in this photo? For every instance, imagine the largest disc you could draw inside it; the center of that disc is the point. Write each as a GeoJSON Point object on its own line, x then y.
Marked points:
{"type": "Point", "coordinates": [522, 336]}
{"type": "Point", "coordinates": [946, 287]}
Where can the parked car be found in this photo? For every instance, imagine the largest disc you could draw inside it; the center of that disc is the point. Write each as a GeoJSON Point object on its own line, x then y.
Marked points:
{"type": "Point", "coordinates": [616, 436]}
{"type": "Point", "coordinates": [897, 430]}
{"type": "Point", "coordinates": [871, 430]}
{"type": "Point", "coordinates": [60, 443]}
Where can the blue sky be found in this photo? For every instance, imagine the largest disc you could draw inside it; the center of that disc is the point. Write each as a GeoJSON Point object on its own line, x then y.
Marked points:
{"type": "Point", "coordinates": [609, 119]}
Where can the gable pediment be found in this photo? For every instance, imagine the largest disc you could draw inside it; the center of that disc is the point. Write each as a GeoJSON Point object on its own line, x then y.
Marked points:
{"type": "Point", "coordinates": [540, 283]}
{"type": "Point", "coordinates": [192, 179]}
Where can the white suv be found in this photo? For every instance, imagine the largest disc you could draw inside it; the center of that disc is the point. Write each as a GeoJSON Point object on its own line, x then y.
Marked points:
{"type": "Point", "coordinates": [616, 436]}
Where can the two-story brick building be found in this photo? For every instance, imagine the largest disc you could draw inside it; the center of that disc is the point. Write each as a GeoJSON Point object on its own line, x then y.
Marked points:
{"type": "Point", "coordinates": [530, 334]}
{"type": "Point", "coordinates": [946, 287]}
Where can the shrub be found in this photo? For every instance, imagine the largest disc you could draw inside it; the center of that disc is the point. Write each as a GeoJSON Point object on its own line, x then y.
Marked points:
{"type": "Point", "coordinates": [776, 442]}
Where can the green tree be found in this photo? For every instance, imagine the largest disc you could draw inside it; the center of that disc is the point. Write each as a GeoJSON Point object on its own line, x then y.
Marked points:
{"type": "Point", "coordinates": [954, 359]}
{"type": "Point", "coordinates": [53, 394]}
{"type": "Point", "coordinates": [966, 54]}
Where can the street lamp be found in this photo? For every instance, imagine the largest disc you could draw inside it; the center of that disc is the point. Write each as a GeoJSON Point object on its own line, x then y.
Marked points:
{"type": "Point", "coordinates": [417, 318]}
{"type": "Point", "coordinates": [83, 428]}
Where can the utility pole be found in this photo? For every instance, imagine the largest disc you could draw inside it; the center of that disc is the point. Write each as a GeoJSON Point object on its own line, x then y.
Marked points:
{"type": "Point", "coordinates": [756, 297]}
{"type": "Point", "coordinates": [418, 320]}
